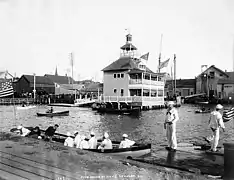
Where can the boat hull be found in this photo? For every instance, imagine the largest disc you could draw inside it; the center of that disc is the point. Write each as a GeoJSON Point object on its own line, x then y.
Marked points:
{"type": "Point", "coordinates": [25, 108]}
{"type": "Point", "coordinates": [62, 113]}
{"type": "Point", "coordinates": [119, 111]}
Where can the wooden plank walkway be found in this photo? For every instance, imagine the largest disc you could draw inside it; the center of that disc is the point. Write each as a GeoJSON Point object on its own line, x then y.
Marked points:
{"type": "Point", "coordinates": [187, 159]}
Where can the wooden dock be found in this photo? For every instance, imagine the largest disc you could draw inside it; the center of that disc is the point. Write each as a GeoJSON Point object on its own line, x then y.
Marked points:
{"type": "Point", "coordinates": [188, 158]}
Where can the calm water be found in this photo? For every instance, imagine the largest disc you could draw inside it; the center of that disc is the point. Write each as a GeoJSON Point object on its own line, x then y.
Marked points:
{"type": "Point", "coordinates": [148, 127]}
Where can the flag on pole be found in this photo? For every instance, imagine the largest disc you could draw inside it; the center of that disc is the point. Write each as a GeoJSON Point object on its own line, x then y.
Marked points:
{"type": "Point", "coordinates": [164, 64]}
{"type": "Point", "coordinates": [6, 89]}
{"type": "Point", "coordinates": [145, 56]}
{"type": "Point", "coordinates": [228, 114]}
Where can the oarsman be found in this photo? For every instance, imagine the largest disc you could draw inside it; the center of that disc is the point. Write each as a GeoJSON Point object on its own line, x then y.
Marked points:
{"type": "Point", "coordinates": [170, 126]}
{"type": "Point", "coordinates": [69, 141]}
{"type": "Point", "coordinates": [106, 143]}
{"type": "Point", "coordinates": [92, 141]}
{"type": "Point", "coordinates": [215, 123]}
{"type": "Point", "coordinates": [50, 131]}
{"type": "Point", "coordinates": [84, 144]}
{"type": "Point", "coordinates": [77, 139]}
{"type": "Point", "coordinates": [23, 131]}
{"type": "Point", "coordinates": [126, 143]}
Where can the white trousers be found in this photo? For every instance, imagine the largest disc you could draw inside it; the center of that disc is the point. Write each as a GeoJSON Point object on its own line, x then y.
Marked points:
{"type": "Point", "coordinates": [215, 139]}
{"type": "Point", "coordinates": [171, 136]}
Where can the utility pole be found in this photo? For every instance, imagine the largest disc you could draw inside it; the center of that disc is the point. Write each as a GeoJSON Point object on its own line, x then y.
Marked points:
{"type": "Point", "coordinates": [160, 51]}
{"type": "Point", "coordinates": [72, 63]}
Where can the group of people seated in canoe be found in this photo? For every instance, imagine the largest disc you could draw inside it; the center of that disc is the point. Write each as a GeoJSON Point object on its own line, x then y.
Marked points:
{"type": "Point", "coordinates": [79, 141]}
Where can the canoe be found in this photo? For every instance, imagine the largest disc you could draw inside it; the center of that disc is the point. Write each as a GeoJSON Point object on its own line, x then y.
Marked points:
{"type": "Point", "coordinates": [25, 107]}
{"type": "Point", "coordinates": [118, 111]}
{"type": "Point", "coordinates": [135, 151]}
{"type": "Point", "coordinates": [60, 113]}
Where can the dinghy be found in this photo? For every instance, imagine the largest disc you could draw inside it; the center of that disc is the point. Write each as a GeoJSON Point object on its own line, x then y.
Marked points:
{"type": "Point", "coordinates": [58, 113]}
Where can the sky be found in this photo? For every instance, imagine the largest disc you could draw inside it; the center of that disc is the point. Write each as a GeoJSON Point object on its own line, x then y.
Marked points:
{"type": "Point", "coordinates": [38, 35]}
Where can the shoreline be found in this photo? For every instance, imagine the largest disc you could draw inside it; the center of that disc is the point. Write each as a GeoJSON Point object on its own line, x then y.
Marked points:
{"type": "Point", "coordinates": [58, 162]}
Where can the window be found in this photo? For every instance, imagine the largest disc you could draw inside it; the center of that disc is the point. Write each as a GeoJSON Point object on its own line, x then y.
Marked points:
{"type": "Point", "coordinates": [122, 75]}
{"type": "Point", "coordinates": [160, 93]}
{"type": "Point", "coordinates": [114, 75]}
{"type": "Point", "coordinates": [118, 75]}
{"type": "Point", "coordinates": [212, 74]}
{"type": "Point", "coordinates": [115, 90]}
{"type": "Point", "coordinates": [122, 92]}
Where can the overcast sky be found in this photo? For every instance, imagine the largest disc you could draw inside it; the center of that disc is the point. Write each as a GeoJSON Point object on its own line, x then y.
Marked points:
{"type": "Point", "coordinates": [38, 35]}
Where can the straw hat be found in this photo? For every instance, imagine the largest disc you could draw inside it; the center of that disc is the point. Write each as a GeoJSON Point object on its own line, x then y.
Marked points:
{"type": "Point", "coordinates": [219, 106]}
{"type": "Point", "coordinates": [125, 135]}
{"type": "Point", "coordinates": [106, 135]}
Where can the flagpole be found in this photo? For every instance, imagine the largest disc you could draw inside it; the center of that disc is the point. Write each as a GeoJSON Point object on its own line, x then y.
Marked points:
{"type": "Point", "coordinates": [160, 50]}
{"type": "Point", "coordinates": [175, 73]}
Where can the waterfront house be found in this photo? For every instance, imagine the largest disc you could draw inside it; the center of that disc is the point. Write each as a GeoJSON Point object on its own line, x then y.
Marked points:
{"type": "Point", "coordinates": [25, 85]}
{"type": "Point", "coordinates": [184, 87]}
{"type": "Point", "coordinates": [129, 80]}
{"type": "Point", "coordinates": [207, 81]}
{"type": "Point", "coordinates": [225, 87]}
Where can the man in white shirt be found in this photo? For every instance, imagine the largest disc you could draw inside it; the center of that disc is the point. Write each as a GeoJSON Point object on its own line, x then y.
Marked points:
{"type": "Point", "coordinates": [23, 131]}
{"type": "Point", "coordinates": [69, 141]}
{"type": "Point", "coordinates": [106, 143]}
{"type": "Point", "coordinates": [92, 141]}
{"type": "Point", "coordinates": [170, 125]}
{"type": "Point", "coordinates": [84, 144]}
{"type": "Point", "coordinates": [77, 139]}
{"type": "Point", "coordinates": [215, 123]}
{"type": "Point", "coordinates": [126, 143]}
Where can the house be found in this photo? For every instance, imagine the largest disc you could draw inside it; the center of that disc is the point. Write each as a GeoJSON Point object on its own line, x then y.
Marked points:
{"type": "Point", "coordinates": [25, 84]}
{"type": "Point", "coordinates": [225, 87]}
{"type": "Point", "coordinates": [63, 84]}
{"type": "Point", "coordinates": [207, 81]}
{"type": "Point", "coordinates": [129, 80]}
{"type": "Point", "coordinates": [184, 87]}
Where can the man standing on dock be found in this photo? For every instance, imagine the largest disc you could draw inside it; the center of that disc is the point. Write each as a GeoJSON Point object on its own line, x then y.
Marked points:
{"type": "Point", "coordinates": [170, 126]}
{"type": "Point", "coordinates": [216, 122]}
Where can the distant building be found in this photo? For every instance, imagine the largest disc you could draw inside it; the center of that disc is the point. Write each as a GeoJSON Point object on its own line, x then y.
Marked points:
{"type": "Point", "coordinates": [225, 87]}
{"type": "Point", "coordinates": [184, 87]}
{"type": "Point", "coordinates": [129, 80]}
{"type": "Point", "coordinates": [25, 85]}
{"type": "Point", "coordinates": [5, 76]}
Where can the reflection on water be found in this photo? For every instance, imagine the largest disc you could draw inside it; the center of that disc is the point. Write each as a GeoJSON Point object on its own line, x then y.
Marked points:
{"type": "Point", "coordinates": [148, 127]}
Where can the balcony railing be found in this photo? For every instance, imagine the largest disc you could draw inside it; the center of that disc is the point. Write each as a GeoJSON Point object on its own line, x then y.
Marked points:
{"type": "Point", "coordinates": [130, 98]}
{"type": "Point", "coordinates": [146, 81]}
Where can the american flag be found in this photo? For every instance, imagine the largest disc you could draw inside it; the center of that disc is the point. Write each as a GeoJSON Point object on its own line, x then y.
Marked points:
{"type": "Point", "coordinates": [228, 114]}
{"type": "Point", "coordinates": [6, 89]}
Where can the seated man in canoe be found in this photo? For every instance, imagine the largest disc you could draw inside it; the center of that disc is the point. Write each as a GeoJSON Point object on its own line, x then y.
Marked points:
{"type": "Point", "coordinates": [126, 143]}
{"type": "Point", "coordinates": [51, 110]}
{"type": "Point", "coordinates": [83, 143]}
{"type": "Point", "coordinates": [69, 141]}
{"type": "Point", "coordinates": [106, 143]}
{"type": "Point", "coordinates": [50, 131]}
{"type": "Point", "coordinates": [92, 141]}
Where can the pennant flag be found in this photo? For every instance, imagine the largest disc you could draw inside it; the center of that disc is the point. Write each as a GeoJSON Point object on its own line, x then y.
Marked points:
{"type": "Point", "coordinates": [164, 64]}
{"type": "Point", "coordinates": [6, 89]}
{"type": "Point", "coordinates": [145, 56]}
{"type": "Point", "coordinates": [228, 114]}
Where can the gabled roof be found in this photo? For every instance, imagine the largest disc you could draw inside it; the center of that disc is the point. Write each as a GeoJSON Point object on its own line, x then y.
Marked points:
{"type": "Point", "coordinates": [128, 47]}
{"type": "Point", "coordinates": [60, 79]}
{"type": "Point", "coordinates": [124, 63]}
{"type": "Point", "coordinates": [217, 69]}
{"type": "Point", "coordinates": [92, 87]}
{"type": "Point", "coordinates": [39, 79]}
{"type": "Point", "coordinates": [134, 71]}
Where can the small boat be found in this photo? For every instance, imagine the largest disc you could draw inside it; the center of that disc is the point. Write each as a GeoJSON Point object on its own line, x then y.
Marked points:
{"type": "Point", "coordinates": [25, 107]}
{"type": "Point", "coordinates": [48, 114]}
{"type": "Point", "coordinates": [201, 111]}
{"type": "Point", "coordinates": [135, 151]}
{"type": "Point", "coordinates": [118, 111]}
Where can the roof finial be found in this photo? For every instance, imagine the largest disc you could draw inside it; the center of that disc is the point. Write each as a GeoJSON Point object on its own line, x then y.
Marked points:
{"type": "Point", "coordinates": [56, 72]}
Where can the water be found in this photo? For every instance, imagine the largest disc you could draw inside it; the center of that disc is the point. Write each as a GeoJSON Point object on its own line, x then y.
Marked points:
{"type": "Point", "coordinates": [148, 127]}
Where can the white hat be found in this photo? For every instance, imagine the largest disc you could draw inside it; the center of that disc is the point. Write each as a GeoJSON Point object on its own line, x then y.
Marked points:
{"type": "Point", "coordinates": [19, 127]}
{"type": "Point", "coordinates": [125, 135]}
{"type": "Point", "coordinates": [92, 133]}
{"type": "Point", "coordinates": [68, 134]}
{"type": "Point", "coordinates": [219, 106]}
{"type": "Point", "coordinates": [171, 103]}
{"type": "Point", "coordinates": [106, 135]}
